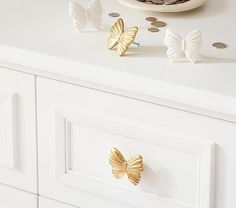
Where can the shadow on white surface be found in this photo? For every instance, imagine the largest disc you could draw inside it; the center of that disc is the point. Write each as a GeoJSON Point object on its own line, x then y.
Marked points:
{"type": "Point", "coordinates": [147, 51]}
{"type": "Point", "coordinates": [214, 60]}
{"type": "Point", "coordinates": [157, 182]}
{"type": "Point", "coordinates": [160, 52]}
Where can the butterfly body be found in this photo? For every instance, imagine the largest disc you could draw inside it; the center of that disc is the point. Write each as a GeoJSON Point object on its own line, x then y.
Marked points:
{"type": "Point", "coordinates": [177, 46]}
{"type": "Point", "coordinates": [82, 16]}
{"type": "Point", "coordinates": [133, 167]}
{"type": "Point", "coordinates": [121, 39]}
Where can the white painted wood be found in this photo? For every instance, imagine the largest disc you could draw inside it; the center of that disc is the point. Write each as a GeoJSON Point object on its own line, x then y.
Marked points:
{"type": "Point", "coordinates": [13, 198]}
{"type": "Point", "coordinates": [83, 125]}
{"type": "Point", "coordinates": [7, 129]}
{"type": "Point", "coordinates": [48, 203]}
{"type": "Point", "coordinates": [80, 132]}
{"type": "Point", "coordinates": [49, 46]}
{"type": "Point", "coordinates": [18, 132]}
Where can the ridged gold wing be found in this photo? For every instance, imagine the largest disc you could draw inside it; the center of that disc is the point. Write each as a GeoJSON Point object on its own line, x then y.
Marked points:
{"type": "Point", "coordinates": [134, 169]}
{"type": "Point", "coordinates": [126, 39]}
{"type": "Point", "coordinates": [116, 32]}
{"type": "Point", "coordinates": [118, 163]}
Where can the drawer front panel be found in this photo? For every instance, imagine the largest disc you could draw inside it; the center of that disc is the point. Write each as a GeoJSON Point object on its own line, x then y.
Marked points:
{"type": "Point", "coordinates": [48, 203]}
{"type": "Point", "coordinates": [12, 198]}
{"type": "Point", "coordinates": [17, 130]}
{"type": "Point", "coordinates": [78, 129]}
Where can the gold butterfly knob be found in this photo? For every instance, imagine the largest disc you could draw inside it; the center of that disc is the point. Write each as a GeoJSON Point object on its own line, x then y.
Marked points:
{"type": "Point", "coordinates": [132, 167]}
{"type": "Point", "coordinates": [120, 38]}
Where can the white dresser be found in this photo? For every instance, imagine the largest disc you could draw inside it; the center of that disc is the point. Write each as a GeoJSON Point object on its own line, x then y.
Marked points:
{"type": "Point", "coordinates": [66, 101]}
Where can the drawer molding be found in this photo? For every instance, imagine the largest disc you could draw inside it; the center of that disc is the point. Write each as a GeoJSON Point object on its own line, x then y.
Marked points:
{"type": "Point", "coordinates": [203, 150]}
{"type": "Point", "coordinates": [7, 129]}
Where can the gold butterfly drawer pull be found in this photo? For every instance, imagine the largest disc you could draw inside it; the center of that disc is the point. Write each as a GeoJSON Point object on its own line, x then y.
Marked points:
{"type": "Point", "coordinates": [133, 167]}
{"type": "Point", "coordinates": [120, 38]}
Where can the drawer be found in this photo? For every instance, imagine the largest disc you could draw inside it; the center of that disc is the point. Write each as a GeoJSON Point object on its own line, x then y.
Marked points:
{"type": "Point", "coordinates": [12, 198]}
{"type": "Point", "coordinates": [48, 203]}
{"type": "Point", "coordinates": [78, 127]}
{"type": "Point", "coordinates": [17, 130]}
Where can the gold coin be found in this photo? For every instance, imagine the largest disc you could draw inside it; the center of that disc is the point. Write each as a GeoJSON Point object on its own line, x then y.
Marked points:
{"type": "Point", "coordinates": [158, 24]}
{"type": "Point", "coordinates": [219, 45]}
{"type": "Point", "coordinates": [151, 19]}
{"type": "Point", "coordinates": [153, 29]}
{"type": "Point", "coordinates": [114, 14]}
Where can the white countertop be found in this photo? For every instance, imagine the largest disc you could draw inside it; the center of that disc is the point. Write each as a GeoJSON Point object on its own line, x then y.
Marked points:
{"type": "Point", "coordinates": [38, 37]}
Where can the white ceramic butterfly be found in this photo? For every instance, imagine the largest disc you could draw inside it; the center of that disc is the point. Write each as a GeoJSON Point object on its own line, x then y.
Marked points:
{"type": "Point", "coordinates": [81, 15]}
{"type": "Point", "coordinates": [189, 46]}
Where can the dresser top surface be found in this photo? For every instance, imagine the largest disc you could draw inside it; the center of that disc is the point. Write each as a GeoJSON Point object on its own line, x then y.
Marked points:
{"type": "Point", "coordinates": [44, 28]}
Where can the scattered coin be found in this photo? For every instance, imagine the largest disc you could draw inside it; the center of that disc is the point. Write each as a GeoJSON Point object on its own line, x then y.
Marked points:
{"type": "Point", "coordinates": [114, 14]}
{"type": "Point", "coordinates": [151, 19]}
{"type": "Point", "coordinates": [219, 45]}
{"type": "Point", "coordinates": [158, 24]}
{"type": "Point", "coordinates": [153, 29]}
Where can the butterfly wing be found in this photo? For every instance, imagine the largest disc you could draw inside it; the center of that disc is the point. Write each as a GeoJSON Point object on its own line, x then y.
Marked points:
{"type": "Point", "coordinates": [78, 13]}
{"type": "Point", "coordinates": [95, 13]}
{"type": "Point", "coordinates": [116, 32]}
{"type": "Point", "coordinates": [126, 39]}
{"type": "Point", "coordinates": [134, 169]}
{"type": "Point", "coordinates": [174, 44]}
{"type": "Point", "coordinates": [118, 163]}
{"type": "Point", "coordinates": [193, 43]}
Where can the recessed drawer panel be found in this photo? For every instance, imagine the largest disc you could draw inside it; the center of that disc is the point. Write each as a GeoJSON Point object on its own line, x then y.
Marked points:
{"type": "Point", "coordinates": [17, 130]}
{"type": "Point", "coordinates": [78, 128]}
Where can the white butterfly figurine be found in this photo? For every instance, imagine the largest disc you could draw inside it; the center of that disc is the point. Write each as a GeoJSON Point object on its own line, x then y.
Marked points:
{"type": "Point", "coordinates": [82, 16]}
{"type": "Point", "coordinates": [189, 46]}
